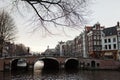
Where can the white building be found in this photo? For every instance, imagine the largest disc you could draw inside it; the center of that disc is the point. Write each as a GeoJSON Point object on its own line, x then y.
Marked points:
{"type": "Point", "coordinates": [118, 38]}
{"type": "Point", "coordinates": [109, 43]}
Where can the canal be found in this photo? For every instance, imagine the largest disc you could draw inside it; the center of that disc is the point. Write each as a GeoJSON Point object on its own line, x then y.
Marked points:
{"type": "Point", "coordinates": [61, 75]}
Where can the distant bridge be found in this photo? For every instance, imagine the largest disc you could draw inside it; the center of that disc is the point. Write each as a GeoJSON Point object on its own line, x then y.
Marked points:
{"type": "Point", "coordinates": [58, 62]}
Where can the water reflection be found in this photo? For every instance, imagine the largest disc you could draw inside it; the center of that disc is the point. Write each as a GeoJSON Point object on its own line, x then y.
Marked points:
{"type": "Point", "coordinates": [37, 74]}
{"type": "Point", "coordinates": [60, 75]}
{"type": "Point", "coordinates": [39, 65]}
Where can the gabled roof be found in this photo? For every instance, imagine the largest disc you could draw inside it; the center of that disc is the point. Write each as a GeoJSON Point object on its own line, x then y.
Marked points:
{"type": "Point", "coordinates": [110, 31]}
{"type": "Point", "coordinates": [88, 28]}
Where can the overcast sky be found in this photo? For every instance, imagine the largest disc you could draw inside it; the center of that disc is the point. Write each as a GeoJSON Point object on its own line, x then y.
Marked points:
{"type": "Point", "coordinates": [106, 12]}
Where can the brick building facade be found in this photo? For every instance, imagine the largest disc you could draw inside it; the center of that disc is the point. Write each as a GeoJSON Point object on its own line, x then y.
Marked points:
{"type": "Point", "coordinates": [95, 42]}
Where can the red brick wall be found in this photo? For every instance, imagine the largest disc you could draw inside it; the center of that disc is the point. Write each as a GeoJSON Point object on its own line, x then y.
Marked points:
{"type": "Point", "coordinates": [1, 65]}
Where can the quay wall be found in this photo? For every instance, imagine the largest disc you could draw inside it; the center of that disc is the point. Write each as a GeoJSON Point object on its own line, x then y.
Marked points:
{"type": "Point", "coordinates": [100, 64]}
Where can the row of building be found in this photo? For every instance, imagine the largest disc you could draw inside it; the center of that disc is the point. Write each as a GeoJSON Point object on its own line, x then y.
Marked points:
{"type": "Point", "coordinates": [94, 42]}
{"type": "Point", "coordinates": [11, 49]}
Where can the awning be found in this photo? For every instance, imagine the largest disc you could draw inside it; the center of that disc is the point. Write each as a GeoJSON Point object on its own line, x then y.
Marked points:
{"type": "Point", "coordinates": [108, 53]}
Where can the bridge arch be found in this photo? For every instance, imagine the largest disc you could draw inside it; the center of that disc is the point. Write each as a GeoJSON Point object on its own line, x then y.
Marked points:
{"type": "Point", "coordinates": [49, 63]}
{"type": "Point", "coordinates": [18, 63]}
{"type": "Point", "coordinates": [71, 63]}
{"type": "Point", "coordinates": [13, 64]}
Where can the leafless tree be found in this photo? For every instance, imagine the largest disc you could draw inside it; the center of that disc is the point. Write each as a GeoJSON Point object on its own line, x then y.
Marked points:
{"type": "Point", "coordinates": [68, 13]}
{"type": "Point", "coordinates": [7, 29]}
{"type": "Point", "coordinates": [21, 50]}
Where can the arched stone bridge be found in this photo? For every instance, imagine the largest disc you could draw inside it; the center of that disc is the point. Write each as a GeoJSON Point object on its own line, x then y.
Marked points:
{"type": "Point", "coordinates": [58, 62]}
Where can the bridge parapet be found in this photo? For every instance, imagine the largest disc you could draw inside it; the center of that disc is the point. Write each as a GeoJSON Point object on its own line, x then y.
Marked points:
{"type": "Point", "coordinates": [31, 60]}
{"type": "Point", "coordinates": [83, 62]}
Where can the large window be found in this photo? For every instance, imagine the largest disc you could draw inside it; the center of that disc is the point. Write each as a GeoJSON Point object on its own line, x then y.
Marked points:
{"type": "Point", "coordinates": [109, 40]}
{"type": "Point", "coordinates": [114, 39]}
{"type": "Point", "coordinates": [114, 46]}
{"type": "Point", "coordinates": [105, 40]}
{"type": "Point", "coordinates": [105, 46]}
{"type": "Point", "coordinates": [109, 46]}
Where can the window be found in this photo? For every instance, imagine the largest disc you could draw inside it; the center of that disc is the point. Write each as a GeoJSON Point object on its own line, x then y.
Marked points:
{"type": "Point", "coordinates": [95, 37]}
{"type": "Point", "coordinates": [109, 46]}
{"type": "Point", "coordinates": [119, 45]}
{"type": "Point", "coordinates": [114, 39]}
{"type": "Point", "coordinates": [109, 40]}
{"type": "Point", "coordinates": [63, 46]}
{"type": "Point", "coordinates": [118, 33]}
{"type": "Point", "coordinates": [105, 40]}
{"type": "Point", "coordinates": [98, 43]}
{"type": "Point", "coordinates": [98, 48]}
{"type": "Point", "coordinates": [114, 46]}
{"type": "Point", "coordinates": [98, 37]}
{"type": "Point", "coordinates": [88, 64]}
{"type": "Point", "coordinates": [97, 32]}
{"type": "Point", "coordinates": [98, 64]}
{"type": "Point", "coordinates": [105, 46]}
{"type": "Point", "coordinates": [94, 42]}
{"type": "Point", "coordinates": [118, 38]}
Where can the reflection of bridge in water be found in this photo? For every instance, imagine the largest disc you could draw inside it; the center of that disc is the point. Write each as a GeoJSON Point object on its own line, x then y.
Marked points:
{"type": "Point", "coordinates": [58, 62]}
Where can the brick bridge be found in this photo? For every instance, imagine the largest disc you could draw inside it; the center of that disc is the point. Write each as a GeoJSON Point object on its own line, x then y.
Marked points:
{"type": "Point", "coordinates": [59, 62]}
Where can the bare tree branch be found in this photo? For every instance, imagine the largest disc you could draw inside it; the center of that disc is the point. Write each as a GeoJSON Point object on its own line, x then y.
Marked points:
{"type": "Point", "coordinates": [69, 13]}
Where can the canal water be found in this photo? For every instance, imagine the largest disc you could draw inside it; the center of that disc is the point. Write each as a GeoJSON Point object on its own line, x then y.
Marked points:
{"type": "Point", "coordinates": [60, 75]}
